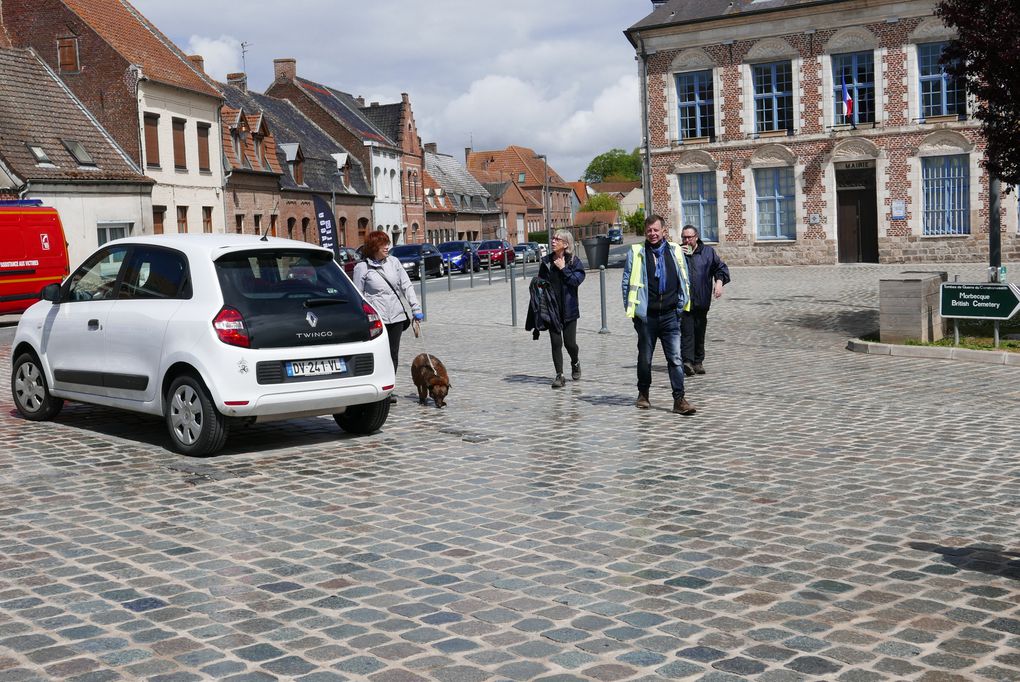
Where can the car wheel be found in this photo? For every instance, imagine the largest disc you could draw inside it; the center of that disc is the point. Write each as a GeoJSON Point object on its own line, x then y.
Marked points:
{"type": "Point", "coordinates": [31, 394]}
{"type": "Point", "coordinates": [196, 427]}
{"type": "Point", "coordinates": [364, 419]}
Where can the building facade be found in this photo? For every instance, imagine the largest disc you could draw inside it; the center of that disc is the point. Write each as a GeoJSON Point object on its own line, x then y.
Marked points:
{"type": "Point", "coordinates": [810, 131]}
{"type": "Point", "coordinates": [475, 213]}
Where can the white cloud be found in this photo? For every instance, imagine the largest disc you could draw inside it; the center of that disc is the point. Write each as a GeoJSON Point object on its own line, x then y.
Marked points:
{"type": "Point", "coordinates": [222, 55]}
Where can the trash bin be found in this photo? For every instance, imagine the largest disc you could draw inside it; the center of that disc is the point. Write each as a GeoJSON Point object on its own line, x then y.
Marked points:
{"type": "Point", "coordinates": [596, 250]}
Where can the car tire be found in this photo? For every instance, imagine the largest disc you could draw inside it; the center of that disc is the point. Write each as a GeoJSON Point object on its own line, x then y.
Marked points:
{"type": "Point", "coordinates": [31, 392]}
{"type": "Point", "coordinates": [196, 427]}
{"type": "Point", "coordinates": [364, 419]}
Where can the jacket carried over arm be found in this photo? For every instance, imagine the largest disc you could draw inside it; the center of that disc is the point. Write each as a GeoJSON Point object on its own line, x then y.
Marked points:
{"type": "Point", "coordinates": [567, 281]}
{"type": "Point", "coordinates": [635, 281]}
{"type": "Point", "coordinates": [705, 268]}
{"type": "Point", "coordinates": [369, 279]}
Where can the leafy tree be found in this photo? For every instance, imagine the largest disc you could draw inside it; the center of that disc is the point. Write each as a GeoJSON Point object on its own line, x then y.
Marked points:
{"type": "Point", "coordinates": [616, 165]}
{"type": "Point", "coordinates": [636, 221]}
{"type": "Point", "coordinates": [986, 55]}
{"type": "Point", "coordinates": [601, 202]}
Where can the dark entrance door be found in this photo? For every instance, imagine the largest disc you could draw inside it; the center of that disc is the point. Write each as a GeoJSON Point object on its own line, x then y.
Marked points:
{"type": "Point", "coordinates": [857, 214]}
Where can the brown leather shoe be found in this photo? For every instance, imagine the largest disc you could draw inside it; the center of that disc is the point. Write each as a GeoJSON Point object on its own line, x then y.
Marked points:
{"type": "Point", "coordinates": [699, 368]}
{"type": "Point", "coordinates": [642, 401]}
{"type": "Point", "coordinates": [688, 369]}
{"type": "Point", "coordinates": [681, 406]}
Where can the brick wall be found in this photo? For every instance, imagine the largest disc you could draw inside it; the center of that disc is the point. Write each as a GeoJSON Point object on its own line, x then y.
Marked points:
{"type": "Point", "coordinates": [105, 83]}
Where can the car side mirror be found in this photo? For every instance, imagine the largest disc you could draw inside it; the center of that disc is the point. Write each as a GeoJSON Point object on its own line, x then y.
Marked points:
{"type": "Point", "coordinates": [50, 292]}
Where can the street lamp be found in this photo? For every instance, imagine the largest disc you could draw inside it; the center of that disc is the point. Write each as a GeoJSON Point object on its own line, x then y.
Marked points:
{"type": "Point", "coordinates": [545, 199]}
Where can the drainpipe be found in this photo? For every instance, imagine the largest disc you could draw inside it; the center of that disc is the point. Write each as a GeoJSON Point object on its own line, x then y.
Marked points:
{"type": "Point", "coordinates": [646, 170]}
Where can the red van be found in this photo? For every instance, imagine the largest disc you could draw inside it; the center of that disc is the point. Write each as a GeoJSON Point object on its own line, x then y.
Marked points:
{"type": "Point", "coordinates": [33, 253]}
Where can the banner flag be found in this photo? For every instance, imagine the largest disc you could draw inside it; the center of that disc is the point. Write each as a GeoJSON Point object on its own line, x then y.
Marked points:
{"type": "Point", "coordinates": [327, 225]}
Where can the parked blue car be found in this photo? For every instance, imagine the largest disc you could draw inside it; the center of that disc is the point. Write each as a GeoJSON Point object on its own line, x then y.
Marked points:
{"type": "Point", "coordinates": [459, 256]}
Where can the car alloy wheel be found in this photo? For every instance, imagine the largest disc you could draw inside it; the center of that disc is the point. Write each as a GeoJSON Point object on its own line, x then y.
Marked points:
{"type": "Point", "coordinates": [196, 427]}
{"type": "Point", "coordinates": [31, 394]}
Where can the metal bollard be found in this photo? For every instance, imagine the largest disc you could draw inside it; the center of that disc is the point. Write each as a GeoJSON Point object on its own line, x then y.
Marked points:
{"type": "Point", "coordinates": [524, 269]}
{"type": "Point", "coordinates": [490, 269]}
{"type": "Point", "coordinates": [422, 277]}
{"type": "Point", "coordinates": [513, 296]}
{"type": "Point", "coordinates": [602, 291]}
{"type": "Point", "coordinates": [507, 269]}
{"type": "Point", "coordinates": [449, 275]}
{"type": "Point", "coordinates": [471, 269]}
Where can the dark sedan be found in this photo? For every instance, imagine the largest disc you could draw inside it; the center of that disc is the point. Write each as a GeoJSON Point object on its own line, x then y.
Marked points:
{"type": "Point", "coordinates": [411, 255]}
{"type": "Point", "coordinates": [459, 256]}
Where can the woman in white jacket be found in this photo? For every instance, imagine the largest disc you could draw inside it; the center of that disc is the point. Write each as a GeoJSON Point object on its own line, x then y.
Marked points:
{"type": "Point", "coordinates": [379, 278]}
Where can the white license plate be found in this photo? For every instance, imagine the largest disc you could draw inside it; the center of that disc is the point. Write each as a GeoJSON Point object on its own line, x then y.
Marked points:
{"type": "Point", "coordinates": [311, 368]}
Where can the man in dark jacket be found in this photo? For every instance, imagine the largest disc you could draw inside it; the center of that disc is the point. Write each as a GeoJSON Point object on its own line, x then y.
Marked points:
{"type": "Point", "coordinates": [708, 275]}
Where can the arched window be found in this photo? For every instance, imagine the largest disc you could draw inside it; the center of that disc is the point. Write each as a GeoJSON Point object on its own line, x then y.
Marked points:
{"type": "Point", "coordinates": [290, 227]}
{"type": "Point", "coordinates": [304, 228]}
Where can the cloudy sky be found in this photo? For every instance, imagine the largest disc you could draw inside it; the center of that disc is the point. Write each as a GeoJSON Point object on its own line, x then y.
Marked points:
{"type": "Point", "coordinates": [554, 75]}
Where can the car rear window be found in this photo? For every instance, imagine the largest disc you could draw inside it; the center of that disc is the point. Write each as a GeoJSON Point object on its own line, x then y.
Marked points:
{"type": "Point", "coordinates": [265, 276]}
{"type": "Point", "coordinates": [453, 247]}
{"type": "Point", "coordinates": [491, 244]}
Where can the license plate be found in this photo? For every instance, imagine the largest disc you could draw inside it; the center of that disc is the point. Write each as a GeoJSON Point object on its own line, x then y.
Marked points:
{"type": "Point", "coordinates": [312, 368]}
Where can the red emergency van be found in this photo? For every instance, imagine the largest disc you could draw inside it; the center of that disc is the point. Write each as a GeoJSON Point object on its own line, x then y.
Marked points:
{"type": "Point", "coordinates": [33, 253]}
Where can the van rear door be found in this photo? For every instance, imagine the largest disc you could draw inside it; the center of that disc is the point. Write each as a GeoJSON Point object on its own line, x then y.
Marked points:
{"type": "Point", "coordinates": [32, 254]}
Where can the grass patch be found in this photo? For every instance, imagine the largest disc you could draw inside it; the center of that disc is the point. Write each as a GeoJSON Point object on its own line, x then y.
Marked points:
{"type": "Point", "coordinates": [980, 335]}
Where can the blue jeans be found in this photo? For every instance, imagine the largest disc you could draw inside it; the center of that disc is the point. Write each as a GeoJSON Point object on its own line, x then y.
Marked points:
{"type": "Point", "coordinates": [664, 328]}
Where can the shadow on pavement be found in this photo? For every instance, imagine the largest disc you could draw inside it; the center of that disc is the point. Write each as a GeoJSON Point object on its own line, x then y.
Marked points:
{"type": "Point", "coordinates": [990, 559]}
{"type": "Point", "coordinates": [847, 322]}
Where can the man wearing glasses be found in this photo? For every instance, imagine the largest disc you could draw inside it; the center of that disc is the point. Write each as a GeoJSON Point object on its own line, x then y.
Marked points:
{"type": "Point", "coordinates": [708, 276]}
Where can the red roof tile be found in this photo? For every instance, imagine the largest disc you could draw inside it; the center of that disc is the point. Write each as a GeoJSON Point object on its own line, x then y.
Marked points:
{"type": "Point", "coordinates": [596, 218]}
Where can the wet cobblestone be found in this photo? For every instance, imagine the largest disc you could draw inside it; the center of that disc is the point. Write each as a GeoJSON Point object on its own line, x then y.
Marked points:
{"type": "Point", "coordinates": [826, 515]}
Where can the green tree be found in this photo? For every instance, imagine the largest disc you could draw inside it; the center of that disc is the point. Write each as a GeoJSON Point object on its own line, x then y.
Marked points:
{"type": "Point", "coordinates": [636, 221]}
{"type": "Point", "coordinates": [986, 54]}
{"type": "Point", "coordinates": [601, 202]}
{"type": "Point", "coordinates": [616, 164]}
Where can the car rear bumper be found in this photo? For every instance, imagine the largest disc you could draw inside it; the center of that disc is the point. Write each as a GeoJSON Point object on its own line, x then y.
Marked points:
{"type": "Point", "coordinates": [307, 402]}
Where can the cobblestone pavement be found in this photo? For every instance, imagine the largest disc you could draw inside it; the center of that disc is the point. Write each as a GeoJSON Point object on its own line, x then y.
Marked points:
{"type": "Point", "coordinates": [826, 515]}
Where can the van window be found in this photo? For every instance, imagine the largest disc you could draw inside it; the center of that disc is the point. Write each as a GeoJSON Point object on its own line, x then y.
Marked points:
{"type": "Point", "coordinates": [155, 273]}
{"type": "Point", "coordinates": [96, 279]}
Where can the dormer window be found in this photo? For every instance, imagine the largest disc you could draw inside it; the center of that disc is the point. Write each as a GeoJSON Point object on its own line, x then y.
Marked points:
{"type": "Point", "coordinates": [295, 161]}
{"type": "Point", "coordinates": [67, 55]}
{"type": "Point", "coordinates": [39, 154]}
{"type": "Point", "coordinates": [78, 152]}
{"type": "Point", "coordinates": [520, 178]}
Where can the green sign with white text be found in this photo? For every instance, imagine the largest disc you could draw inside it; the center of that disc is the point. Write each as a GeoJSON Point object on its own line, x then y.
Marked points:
{"type": "Point", "coordinates": [979, 301]}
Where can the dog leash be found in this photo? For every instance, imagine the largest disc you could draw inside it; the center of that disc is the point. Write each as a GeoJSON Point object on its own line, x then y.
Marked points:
{"type": "Point", "coordinates": [428, 355]}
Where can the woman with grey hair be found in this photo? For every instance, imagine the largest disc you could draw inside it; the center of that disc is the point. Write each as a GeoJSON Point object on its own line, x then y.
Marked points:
{"type": "Point", "coordinates": [564, 271]}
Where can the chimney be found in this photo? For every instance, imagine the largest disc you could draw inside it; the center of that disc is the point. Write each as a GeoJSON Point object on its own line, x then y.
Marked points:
{"type": "Point", "coordinates": [360, 100]}
{"type": "Point", "coordinates": [467, 154]}
{"type": "Point", "coordinates": [374, 104]}
{"type": "Point", "coordinates": [197, 61]}
{"type": "Point", "coordinates": [285, 70]}
{"type": "Point", "coordinates": [238, 80]}
{"type": "Point", "coordinates": [656, 4]}
{"type": "Point", "coordinates": [431, 148]}
{"type": "Point", "coordinates": [404, 98]}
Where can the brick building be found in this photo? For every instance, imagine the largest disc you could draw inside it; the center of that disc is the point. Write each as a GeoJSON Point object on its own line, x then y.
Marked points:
{"type": "Point", "coordinates": [513, 202]}
{"type": "Point", "coordinates": [475, 213]}
{"type": "Point", "coordinates": [156, 104]}
{"type": "Point", "coordinates": [750, 141]}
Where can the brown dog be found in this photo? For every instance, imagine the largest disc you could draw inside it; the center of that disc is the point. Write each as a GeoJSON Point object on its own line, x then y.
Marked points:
{"type": "Point", "coordinates": [430, 379]}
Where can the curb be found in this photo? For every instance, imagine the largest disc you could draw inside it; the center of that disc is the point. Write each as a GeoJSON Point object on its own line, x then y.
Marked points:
{"type": "Point", "coordinates": [988, 357]}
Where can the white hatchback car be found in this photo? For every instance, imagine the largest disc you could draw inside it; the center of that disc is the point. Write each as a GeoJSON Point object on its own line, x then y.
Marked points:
{"type": "Point", "coordinates": [206, 330]}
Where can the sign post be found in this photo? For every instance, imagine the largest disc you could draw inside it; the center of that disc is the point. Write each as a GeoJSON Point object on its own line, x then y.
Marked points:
{"type": "Point", "coordinates": [979, 302]}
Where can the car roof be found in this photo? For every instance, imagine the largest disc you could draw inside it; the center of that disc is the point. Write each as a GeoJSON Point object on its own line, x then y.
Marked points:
{"type": "Point", "coordinates": [212, 246]}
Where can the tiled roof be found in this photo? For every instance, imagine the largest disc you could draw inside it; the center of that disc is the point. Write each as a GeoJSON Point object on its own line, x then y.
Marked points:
{"type": "Point", "coordinates": [515, 160]}
{"type": "Point", "coordinates": [615, 187]}
{"type": "Point", "coordinates": [288, 125]}
{"type": "Point", "coordinates": [682, 11]}
{"type": "Point", "coordinates": [454, 178]}
{"type": "Point", "coordinates": [581, 190]}
{"type": "Point", "coordinates": [253, 124]}
{"type": "Point", "coordinates": [141, 43]}
{"type": "Point", "coordinates": [385, 117]}
{"type": "Point", "coordinates": [345, 108]}
{"type": "Point", "coordinates": [595, 218]}
{"type": "Point", "coordinates": [37, 108]}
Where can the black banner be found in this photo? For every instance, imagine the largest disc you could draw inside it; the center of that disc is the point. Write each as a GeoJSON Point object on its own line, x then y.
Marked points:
{"type": "Point", "coordinates": [327, 225]}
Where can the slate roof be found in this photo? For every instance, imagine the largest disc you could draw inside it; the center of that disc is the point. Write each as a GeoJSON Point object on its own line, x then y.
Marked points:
{"type": "Point", "coordinates": [433, 202]}
{"type": "Point", "coordinates": [289, 126]}
{"type": "Point", "coordinates": [346, 109]}
{"type": "Point", "coordinates": [512, 161]}
{"type": "Point", "coordinates": [674, 12]}
{"type": "Point", "coordinates": [385, 117]}
{"type": "Point", "coordinates": [36, 107]}
{"type": "Point", "coordinates": [141, 43]}
{"type": "Point", "coordinates": [454, 178]}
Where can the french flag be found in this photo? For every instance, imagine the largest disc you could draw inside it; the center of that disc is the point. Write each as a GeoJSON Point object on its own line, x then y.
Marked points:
{"type": "Point", "coordinates": [848, 102]}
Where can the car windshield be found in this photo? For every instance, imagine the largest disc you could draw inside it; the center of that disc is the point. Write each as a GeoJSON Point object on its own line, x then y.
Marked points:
{"type": "Point", "coordinates": [251, 279]}
{"type": "Point", "coordinates": [405, 250]}
{"type": "Point", "coordinates": [453, 247]}
{"type": "Point", "coordinates": [521, 247]}
{"type": "Point", "coordinates": [491, 244]}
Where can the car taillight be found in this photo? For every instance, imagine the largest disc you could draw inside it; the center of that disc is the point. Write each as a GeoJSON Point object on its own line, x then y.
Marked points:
{"type": "Point", "coordinates": [374, 322]}
{"type": "Point", "coordinates": [229, 326]}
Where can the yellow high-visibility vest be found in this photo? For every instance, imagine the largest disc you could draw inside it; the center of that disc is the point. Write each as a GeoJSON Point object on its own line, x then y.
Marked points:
{"type": "Point", "coordinates": [637, 276]}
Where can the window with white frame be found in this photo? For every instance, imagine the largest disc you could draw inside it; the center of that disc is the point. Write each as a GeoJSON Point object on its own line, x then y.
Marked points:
{"type": "Point", "coordinates": [775, 196]}
{"type": "Point", "coordinates": [856, 73]}
{"type": "Point", "coordinates": [945, 184]}
{"type": "Point", "coordinates": [107, 232]}
{"type": "Point", "coordinates": [773, 96]}
{"type": "Point", "coordinates": [698, 206]}
{"type": "Point", "coordinates": [695, 105]}
{"type": "Point", "coordinates": [942, 94]}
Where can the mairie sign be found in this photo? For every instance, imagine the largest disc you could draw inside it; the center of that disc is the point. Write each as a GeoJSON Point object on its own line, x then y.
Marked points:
{"type": "Point", "coordinates": [979, 301]}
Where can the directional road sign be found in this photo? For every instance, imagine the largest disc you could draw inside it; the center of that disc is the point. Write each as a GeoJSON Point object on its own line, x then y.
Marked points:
{"type": "Point", "coordinates": [979, 301]}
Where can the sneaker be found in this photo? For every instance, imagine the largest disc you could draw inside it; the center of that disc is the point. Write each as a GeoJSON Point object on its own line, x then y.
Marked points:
{"type": "Point", "coordinates": [681, 406]}
{"type": "Point", "coordinates": [575, 370]}
{"type": "Point", "coordinates": [688, 369]}
{"type": "Point", "coordinates": [642, 401]}
{"type": "Point", "coordinates": [559, 381]}
{"type": "Point", "coordinates": [699, 368]}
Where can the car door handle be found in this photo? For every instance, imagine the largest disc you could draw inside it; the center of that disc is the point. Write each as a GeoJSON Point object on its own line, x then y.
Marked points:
{"type": "Point", "coordinates": [93, 325]}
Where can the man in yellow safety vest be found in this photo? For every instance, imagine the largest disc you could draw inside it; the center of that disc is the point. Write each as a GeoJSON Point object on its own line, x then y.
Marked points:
{"type": "Point", "coordinates": [656, 289]}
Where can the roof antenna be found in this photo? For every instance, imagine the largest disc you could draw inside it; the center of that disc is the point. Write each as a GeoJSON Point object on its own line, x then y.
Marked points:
{"type": "Point", "coordinates": [265, 237]}
{"type": "Point", "coordinates": [244, 51]}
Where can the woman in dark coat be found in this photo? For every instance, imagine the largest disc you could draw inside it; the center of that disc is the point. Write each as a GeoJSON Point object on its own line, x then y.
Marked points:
{"type": "Point", "coordinates": [564, 271]}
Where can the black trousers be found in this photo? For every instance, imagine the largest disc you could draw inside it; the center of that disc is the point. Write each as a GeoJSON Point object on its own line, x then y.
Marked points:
{"type": "Point", "coordinates": [569, 339]}
{"type": "Point", "coordinates": [393, 331]}
{"type": "Point", "coordinates": [692, 335]}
